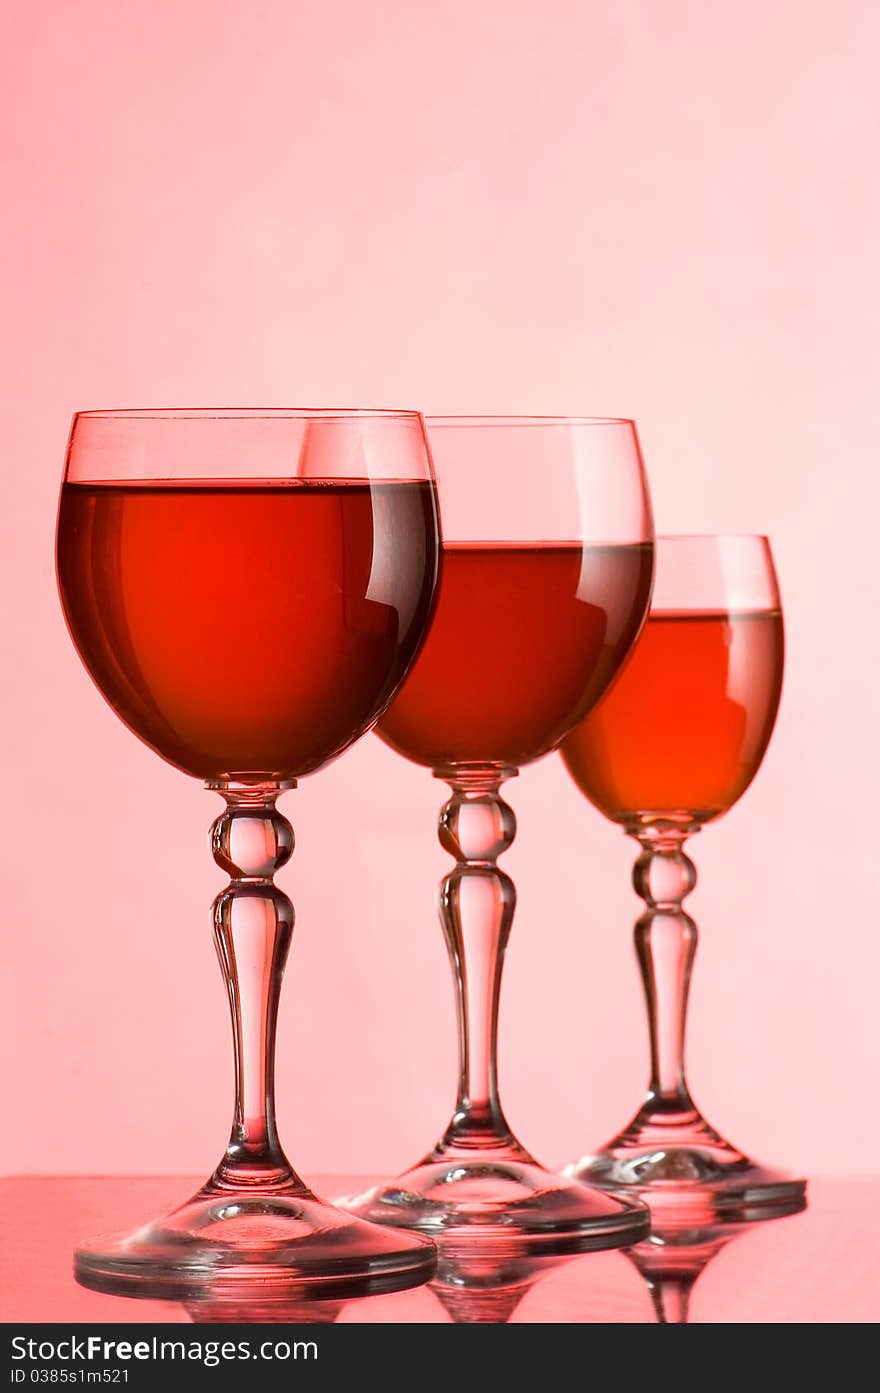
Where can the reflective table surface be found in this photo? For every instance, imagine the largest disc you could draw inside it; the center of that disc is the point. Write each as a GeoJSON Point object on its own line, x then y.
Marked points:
{"type": "Point", "coordinates": [822, 1265]}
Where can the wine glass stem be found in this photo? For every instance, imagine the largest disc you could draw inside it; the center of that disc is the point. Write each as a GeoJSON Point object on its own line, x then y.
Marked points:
{"type": "Point", "coordinates": [477, 902]}
{"type": "Point", "coordinates": [253, 926]}
{"type": "Point", "coordinates": [666, 941]}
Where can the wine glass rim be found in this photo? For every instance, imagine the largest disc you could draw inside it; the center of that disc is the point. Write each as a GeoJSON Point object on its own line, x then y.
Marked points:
{"type": "Point", "coordinates": [246, 413]}
{"type": "Point", "coordinates": [529, 420]}
{"type": "Point", "coordinates": [711, 537]}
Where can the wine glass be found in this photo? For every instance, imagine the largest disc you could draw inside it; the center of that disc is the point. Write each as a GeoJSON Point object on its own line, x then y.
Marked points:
{"type": "Point", "coordinates": [673, 745]}
{"type": "Point", "coordinates": [248, 589]}
{"type": "Point", "coordinates": [547, 566]}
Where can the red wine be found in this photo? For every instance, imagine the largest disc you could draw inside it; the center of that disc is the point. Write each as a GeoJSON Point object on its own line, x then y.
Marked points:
{"type": "Point", "coordinates": [685, 726]}
{"type": "Point", "coordinates": [247, 628]}
{"type": "Point", "coordinates": [524, 640]}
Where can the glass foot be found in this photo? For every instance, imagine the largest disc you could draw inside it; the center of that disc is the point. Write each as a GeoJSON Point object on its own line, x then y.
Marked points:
{"type": "Point", "coordinates": [686, 1172]}
{"type": "Point", "coordinates": [270, 1245]}
{"type": "Point", "coordinates": [502, 1199]}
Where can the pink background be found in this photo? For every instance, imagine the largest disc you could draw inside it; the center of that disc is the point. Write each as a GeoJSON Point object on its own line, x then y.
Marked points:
{"type": "Point", "coordinates": [667, 209]}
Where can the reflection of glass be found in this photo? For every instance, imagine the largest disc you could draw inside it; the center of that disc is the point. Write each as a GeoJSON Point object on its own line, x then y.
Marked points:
{"type": "Point", "coordinates": [248, 589]}
{"type": "Point", "coordinates": [671, 1264]}
{"type": "Point", "coordinates": [673, 1257]}
{"type": "Point", "coordinates": [546, 579]}
{"type": "Point", "coordinates": [673, 745]}
{"type": "Point", "coordinates": [484, 1285]}
{"type": "Point", "coordinates": [211, 1308]}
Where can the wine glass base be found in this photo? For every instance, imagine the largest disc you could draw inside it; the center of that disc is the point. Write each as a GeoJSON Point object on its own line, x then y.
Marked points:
{"type": "Point", "coordinates": [269, 1246]}
{"type": "Point", "coordinates": [686, 1181]}
{"type": "Point", "coordinates": [506, 1203]}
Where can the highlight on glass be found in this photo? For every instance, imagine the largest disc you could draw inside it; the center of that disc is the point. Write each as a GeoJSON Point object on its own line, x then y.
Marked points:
{"type": "Point", "coordinates": [248, 590]}
{"type": "Point", "coordinates": [547, 567]}
{"type": "Point", "coordinates": [671, 747]}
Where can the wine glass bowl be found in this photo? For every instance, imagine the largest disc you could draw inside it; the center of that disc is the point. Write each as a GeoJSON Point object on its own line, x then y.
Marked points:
{"type": "Point", "coordinates": [246, 626]}
{"type": "Point", "coordinates": [685, 730]}
{"type": "Point", "coordinates": [673, 745]}
{"type": "Point", "coordinates": [462, 707]}
{"type": "Point", "coordinates": [546, 578]}
{"type": "Point", "coordinates": [247, 590]}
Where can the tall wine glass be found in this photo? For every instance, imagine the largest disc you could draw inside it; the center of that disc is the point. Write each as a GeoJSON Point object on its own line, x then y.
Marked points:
{"type": "Point", "coordinates": [248, 589]}
{"type": "Point", "coordinates": [673, 745]}
{"type": "Point", "coordinates": [547, 565]}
